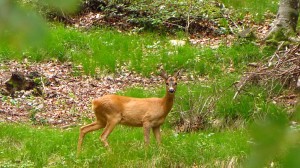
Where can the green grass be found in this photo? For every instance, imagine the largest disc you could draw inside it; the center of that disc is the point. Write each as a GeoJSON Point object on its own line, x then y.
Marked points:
{"type": "Point", "coordinates": [256, 8]}
{"type": "Point", "coordinates": [27, 146]}
{"type": "Point", "coordinates": [109, 49]}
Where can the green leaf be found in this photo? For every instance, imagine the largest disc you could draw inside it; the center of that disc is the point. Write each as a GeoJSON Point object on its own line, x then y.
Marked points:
{"type": "Point", "coordinates": [65, 5]}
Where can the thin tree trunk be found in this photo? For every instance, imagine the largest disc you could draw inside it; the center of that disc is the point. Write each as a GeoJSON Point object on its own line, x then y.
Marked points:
{"type": "Point", "coordinates": [286, 20]}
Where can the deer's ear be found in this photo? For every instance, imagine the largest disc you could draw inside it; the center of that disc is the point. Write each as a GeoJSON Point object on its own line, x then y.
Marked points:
{"type": "Point", "coordinates": [178, 73]}
{"type": "Point", "coordinates": [163, 74]}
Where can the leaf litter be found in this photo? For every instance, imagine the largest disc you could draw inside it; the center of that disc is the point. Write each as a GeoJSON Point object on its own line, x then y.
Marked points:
{"type": "Point", "coordinates": [66, 99]}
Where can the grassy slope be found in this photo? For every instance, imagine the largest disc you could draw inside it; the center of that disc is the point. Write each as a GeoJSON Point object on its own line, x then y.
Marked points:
{"type": "Point", "coordinates": [23, 145]}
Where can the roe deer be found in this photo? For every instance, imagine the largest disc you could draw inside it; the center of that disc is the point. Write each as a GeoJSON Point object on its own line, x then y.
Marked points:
{"type": "Point", "coordinates": [148, 113]}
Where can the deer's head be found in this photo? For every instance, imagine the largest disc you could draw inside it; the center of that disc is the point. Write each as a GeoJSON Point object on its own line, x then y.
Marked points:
{"type": "Point", "coordinates": [171, 81]}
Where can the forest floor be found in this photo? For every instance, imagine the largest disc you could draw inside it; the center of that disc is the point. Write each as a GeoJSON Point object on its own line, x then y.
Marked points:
{"type": "Point", "coordinates": [67, 97]}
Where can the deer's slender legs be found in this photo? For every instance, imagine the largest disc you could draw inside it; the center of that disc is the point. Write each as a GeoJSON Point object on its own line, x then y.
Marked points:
{"type": "Point", "coordinates": [110, 125]}
{"type": "Point", "coordinates": [84, 130]}
{"type": "Point", "coordinates": [156, 132]}
{"type": "Point", "coordinates": [146, 127]}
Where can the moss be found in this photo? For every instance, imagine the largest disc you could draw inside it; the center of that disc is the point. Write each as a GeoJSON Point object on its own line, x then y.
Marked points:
{"type": "Point", "coordinates": [280, 34]}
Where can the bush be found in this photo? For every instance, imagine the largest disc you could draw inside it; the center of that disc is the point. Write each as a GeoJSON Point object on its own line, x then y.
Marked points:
{"type": "Point", "coordinates": [204, 17]}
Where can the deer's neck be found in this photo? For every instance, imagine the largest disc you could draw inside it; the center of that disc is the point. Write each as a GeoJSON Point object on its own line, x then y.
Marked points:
{"type": "Point", "coordinates": [168, 100]}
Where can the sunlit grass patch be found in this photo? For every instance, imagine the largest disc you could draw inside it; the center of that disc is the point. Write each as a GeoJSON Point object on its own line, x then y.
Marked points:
{"type": "Point", "coordinates": [42, 147]}
{"type": "Point", "coordinates": [107, 50]}
{"type": "Point", "coordinates": [256, 8]}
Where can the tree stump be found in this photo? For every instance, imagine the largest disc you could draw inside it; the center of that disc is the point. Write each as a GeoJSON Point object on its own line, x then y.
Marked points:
{"type": "Point", "coordinates": [18, 81]}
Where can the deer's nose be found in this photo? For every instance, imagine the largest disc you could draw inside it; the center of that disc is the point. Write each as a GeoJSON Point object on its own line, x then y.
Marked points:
{"type": "Point", "coordinates": [171, 90]}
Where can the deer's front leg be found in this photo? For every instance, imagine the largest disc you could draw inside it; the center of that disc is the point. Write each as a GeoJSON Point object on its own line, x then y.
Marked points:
{"type": "Point", "coordinates": [110, 125]}
{"type": "Point", "coordinates": [146, 127]}
{"type": "Point", "coordinates": [156, 132]}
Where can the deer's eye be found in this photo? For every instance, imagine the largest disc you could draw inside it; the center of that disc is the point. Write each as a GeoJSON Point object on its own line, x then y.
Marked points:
{"type": "Point", "coordinates": [167, 84]}
{"type": "Point", "coordinates": [175, 83]}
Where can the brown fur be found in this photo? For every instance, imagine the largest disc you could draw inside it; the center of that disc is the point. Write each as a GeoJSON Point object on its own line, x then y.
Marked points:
{"type": "Point", "coordinates": [148, 113]}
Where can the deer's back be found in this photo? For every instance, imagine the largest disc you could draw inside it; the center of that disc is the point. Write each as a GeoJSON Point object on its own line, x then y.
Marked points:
{"type": "Point", "coordinates": [131, 111]}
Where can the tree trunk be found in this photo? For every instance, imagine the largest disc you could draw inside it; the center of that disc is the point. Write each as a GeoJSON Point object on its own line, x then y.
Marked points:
{"type": "Point", "coordinates": [285, 22]}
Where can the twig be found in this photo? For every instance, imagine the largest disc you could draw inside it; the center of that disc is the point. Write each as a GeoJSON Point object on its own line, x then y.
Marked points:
{"type": "Point", "coordinates": [229, 18]}
{"type": "Point", "coordinates": [43, 85]}
{"type": "Point", "coordinates": [205, 104]}
{"type": "Point", "coordinates": [243, 82]}
{"type": "Point", "coordinates": [276, 52]}
{"type": "Point", "coordinates": [188, 19]}
{"type": "Point", "coordinates": [173, 24]}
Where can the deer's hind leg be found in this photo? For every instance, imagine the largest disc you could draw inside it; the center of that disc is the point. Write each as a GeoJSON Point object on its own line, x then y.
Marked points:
{"type": "Point", "coordinates": [86, 129]}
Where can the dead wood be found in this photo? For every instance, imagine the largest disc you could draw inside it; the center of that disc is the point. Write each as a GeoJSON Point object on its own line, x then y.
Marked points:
{"type": "Point", "coordinates": [283, 67]}
{"type": "Point", "coordinates": [19, 81]}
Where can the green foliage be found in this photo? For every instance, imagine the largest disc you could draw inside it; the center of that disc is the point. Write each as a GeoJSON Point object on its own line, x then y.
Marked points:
{"type": "Point", "coordinates": [67, 6]}
{"type": "Point", "coordinates": [13, 32]}
{"type": "Point", "coordinates": [21, 26]}
{"type": "Point", "coordinates": [296, 115]}
{"type": "Point", "coordinates": [57, 5]}
{"type": "Point", "coordinates": [275, 142]}
{"type": "Point", "coordinates": [163, 15]}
